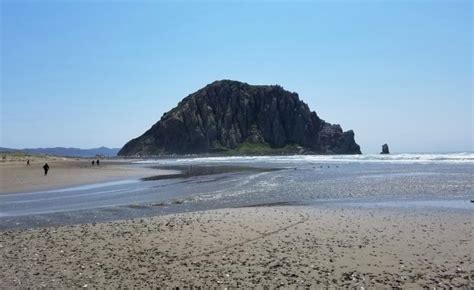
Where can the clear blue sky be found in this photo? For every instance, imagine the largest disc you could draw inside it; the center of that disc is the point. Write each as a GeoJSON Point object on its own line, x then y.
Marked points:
{"type": "Point", "coordinates": [87, 74]}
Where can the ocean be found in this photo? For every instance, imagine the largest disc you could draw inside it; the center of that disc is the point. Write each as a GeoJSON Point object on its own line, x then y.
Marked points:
{"type": "Point", "coordinates": [429, 181]}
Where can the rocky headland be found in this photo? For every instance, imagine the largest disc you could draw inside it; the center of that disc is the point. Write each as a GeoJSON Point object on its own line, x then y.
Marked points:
{"type": "Point", "coordinates": [232, 118]}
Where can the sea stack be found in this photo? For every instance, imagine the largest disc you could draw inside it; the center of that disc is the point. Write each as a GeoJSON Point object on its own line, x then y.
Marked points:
{"type": "Point", "coordinates": [232, 118]}
{"type": "Point", "coordinates": [385, 149]}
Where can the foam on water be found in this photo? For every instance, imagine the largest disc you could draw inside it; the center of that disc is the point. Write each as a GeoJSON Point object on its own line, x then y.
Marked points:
{"type": "Point", "coordinates": [464, 157]}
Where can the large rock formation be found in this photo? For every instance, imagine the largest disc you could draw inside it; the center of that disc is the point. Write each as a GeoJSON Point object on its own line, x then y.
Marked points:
{"type": "Point", "coordinates": [230, 117]}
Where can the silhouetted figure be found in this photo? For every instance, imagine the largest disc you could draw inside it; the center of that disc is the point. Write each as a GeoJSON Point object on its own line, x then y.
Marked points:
{"type": "Point", "coordinates": [97, 162]}
{"type": "Point", "coordinates": [92, 162]}
{"type": "Point", "coordinates": [46, 168]}
{"type": "Point", "coordinates": [28, 162]}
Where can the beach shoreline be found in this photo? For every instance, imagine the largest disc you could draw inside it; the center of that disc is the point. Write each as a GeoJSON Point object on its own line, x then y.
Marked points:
{"type": "Point", "coordinates": [245, 247]}
{"type": "Point", "coordinates": [17, 177]}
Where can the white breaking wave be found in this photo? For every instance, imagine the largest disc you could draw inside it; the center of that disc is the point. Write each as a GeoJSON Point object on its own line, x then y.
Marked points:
{"type": "Point", "coordinates": [464, 157]}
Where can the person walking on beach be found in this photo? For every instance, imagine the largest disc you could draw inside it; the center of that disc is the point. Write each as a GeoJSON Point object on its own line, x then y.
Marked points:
{"type": "Point", "coordinates": [28, 162]}
{"type": "Point", "coordinates": [92, 162]}
{"type": "Point", "coordinates": [97, 162]}
{"type": "Point", "coordinates": [46, 168]}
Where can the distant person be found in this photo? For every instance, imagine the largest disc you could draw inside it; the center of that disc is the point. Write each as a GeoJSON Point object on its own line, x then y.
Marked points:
{"type": "Point", "coordinates": [93, 163]}
{"type": "Point", "coordinates": [46, 168]}
{"type": "Point", "coordinates": [97, 162]}
{"type": "Point", "coordinates": [28, 162]}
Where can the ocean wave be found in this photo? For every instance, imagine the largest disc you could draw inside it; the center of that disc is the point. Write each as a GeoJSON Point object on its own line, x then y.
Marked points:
{"type": "Point", "coordinates": [463, 157]}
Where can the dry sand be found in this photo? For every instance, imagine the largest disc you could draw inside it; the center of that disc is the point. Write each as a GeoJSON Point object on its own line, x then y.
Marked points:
{"type": "Point", "coordinates": [273, 246]}
{"type": "Point", "coordinates": [15, 176]}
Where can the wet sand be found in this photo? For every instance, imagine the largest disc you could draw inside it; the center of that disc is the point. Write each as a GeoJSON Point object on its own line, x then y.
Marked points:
{"type": "Point", "coordinates": [15, 176]}
{"type": "Point", "coordinates": [243, 247]}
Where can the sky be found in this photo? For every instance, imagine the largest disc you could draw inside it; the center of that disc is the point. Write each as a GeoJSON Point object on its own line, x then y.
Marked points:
{"type": "Point", "coordinates": [99, 73]}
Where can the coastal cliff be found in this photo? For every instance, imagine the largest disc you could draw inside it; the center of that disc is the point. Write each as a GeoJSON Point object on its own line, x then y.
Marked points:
{"type": "Point", "coordinates": [231, 117]}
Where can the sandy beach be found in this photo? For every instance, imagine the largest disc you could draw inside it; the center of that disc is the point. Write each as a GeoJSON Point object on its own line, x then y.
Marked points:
{"type": "Point", "coordinates": [243, 247]}
{"type": "Point", "coordinates": [15, 176]}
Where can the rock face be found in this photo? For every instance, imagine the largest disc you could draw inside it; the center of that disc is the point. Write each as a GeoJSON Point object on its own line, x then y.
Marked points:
{"type": "Point", "coordinates": [385, 149]}
{"type": "Point", "coordinates": [226, 116]}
